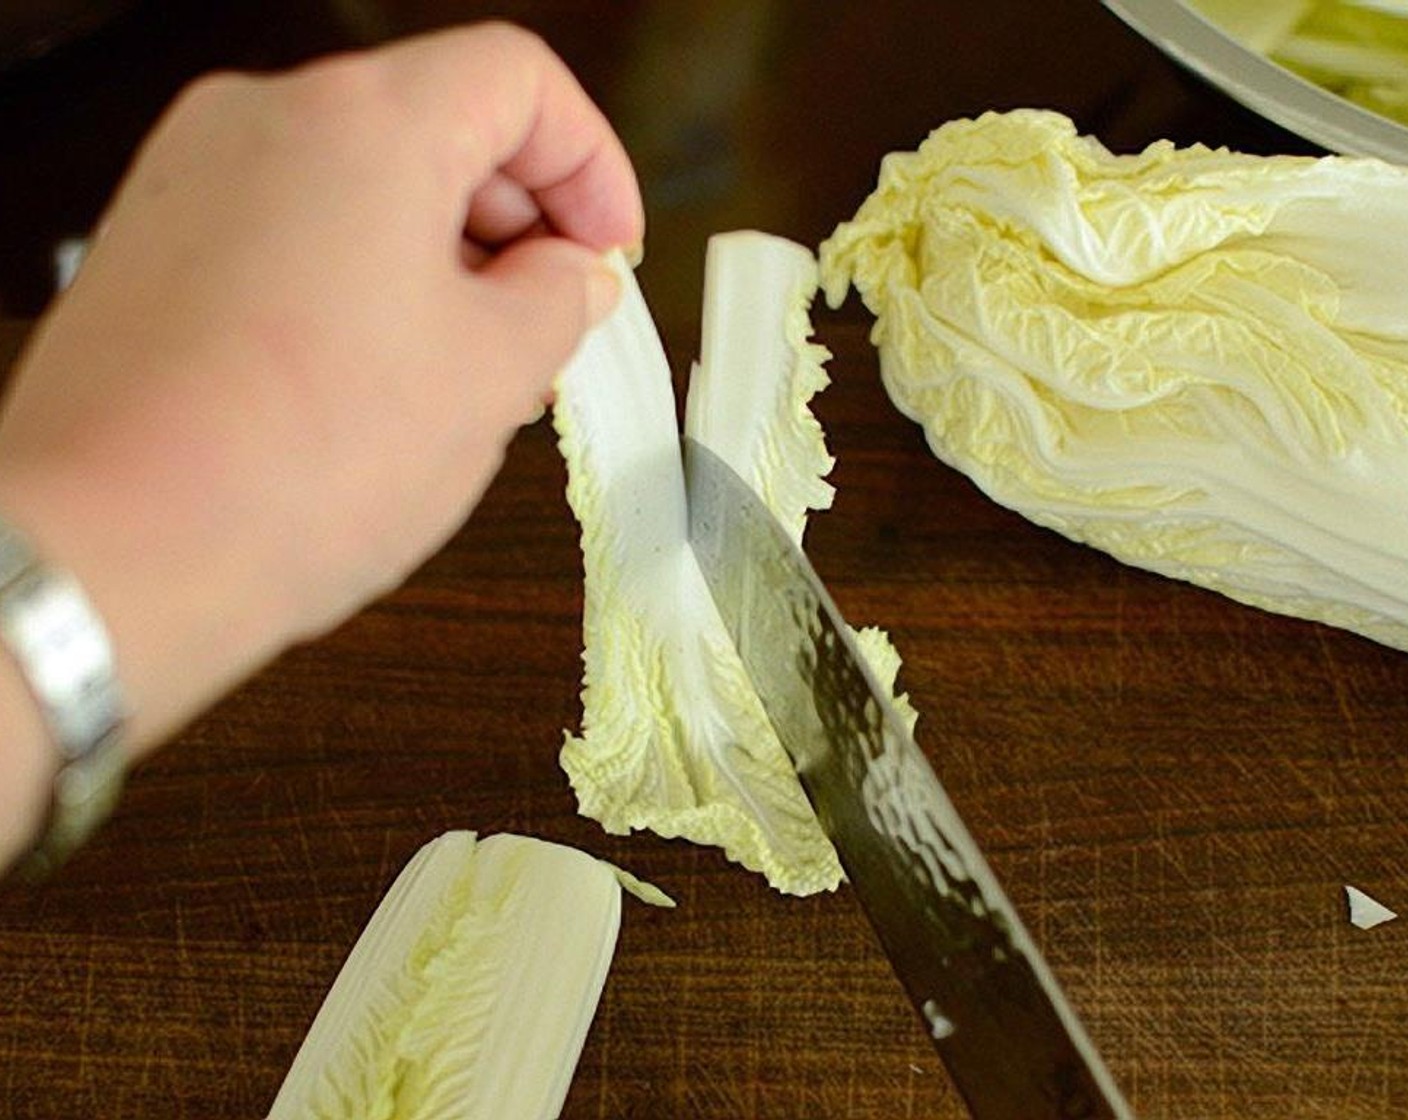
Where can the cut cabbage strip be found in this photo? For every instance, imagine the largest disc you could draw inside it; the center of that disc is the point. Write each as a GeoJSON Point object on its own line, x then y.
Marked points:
{"type": "Point", "coordinates": [674, 739]}
{"type": "Point", "coordinates": [469, 993]}
{"type": "Point", "coordinates": [1195, 360]}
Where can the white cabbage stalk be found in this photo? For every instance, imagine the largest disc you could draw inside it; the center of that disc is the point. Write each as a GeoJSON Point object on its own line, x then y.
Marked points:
{"type": "Point", "coordinates": [1195, 360]}
{"type": "Point", "coordinates": [674, 739]}
{"type": "Point", "coordinates": [470, 991]}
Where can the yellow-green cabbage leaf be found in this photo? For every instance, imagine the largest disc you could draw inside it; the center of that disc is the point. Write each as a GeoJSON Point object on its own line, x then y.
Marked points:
{"type": "Point", "coordinates": [1193, 359]}
{"type": "Point", "coordinates": [673, 737]}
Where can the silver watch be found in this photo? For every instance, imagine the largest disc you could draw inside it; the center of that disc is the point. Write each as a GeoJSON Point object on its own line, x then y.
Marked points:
{"type": "Point", "coordinates": [65, 657]}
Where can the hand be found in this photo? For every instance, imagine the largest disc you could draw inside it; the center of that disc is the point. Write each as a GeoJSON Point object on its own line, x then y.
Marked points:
{"type": "Point", "coordinates": [314, 315]}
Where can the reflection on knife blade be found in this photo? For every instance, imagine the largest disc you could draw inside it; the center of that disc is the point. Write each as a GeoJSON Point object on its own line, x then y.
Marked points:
{"type": "Point", "coordinates": [1011, 1042]}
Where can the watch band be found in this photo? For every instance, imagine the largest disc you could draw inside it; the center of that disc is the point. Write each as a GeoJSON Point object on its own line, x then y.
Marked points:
{"type": "Point", "coordinates": [65, 657]}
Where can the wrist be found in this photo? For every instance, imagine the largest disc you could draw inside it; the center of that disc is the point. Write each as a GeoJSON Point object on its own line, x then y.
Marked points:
{"type": "Point", "coordinates": [178, 612]}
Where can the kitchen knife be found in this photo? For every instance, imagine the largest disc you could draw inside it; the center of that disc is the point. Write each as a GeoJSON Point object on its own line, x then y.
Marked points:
{"type": "Point", "coordinates": [1010, 1041]}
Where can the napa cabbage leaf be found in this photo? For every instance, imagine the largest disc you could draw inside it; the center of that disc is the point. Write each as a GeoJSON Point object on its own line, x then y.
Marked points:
{"type": "Point", "coordinates": [1194, 359]}
{"type": "Point", "coordinates": [673, 738]}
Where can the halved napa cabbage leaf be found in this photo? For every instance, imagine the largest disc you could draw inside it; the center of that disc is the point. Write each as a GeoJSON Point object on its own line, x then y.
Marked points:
{"type": "Point", "coordinates": [673, 738]}
{"type": "Point", "coordinates": [471, 990]}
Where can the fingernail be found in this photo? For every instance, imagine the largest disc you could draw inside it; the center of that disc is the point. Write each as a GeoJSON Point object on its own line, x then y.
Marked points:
{"type": "Point", "coordinates": [634, 254]}
{"type": "Point", "coordinates": [603, 290]}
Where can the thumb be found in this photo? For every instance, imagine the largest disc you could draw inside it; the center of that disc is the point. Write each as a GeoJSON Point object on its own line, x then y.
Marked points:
{"type": "Point", "coordinates": [545, 293]}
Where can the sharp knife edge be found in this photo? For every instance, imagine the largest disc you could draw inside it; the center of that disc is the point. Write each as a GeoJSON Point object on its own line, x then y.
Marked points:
{"type": "Point", "coordinates": [998, 1018]}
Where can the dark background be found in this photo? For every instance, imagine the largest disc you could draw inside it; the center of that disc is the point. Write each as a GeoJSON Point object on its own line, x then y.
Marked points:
{"type": "Point", "coordinates": [1173, 787]}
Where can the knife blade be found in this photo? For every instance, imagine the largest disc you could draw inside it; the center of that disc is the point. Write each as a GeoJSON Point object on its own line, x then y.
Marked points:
{"type": "Point", "coordinates": [1006, 1033]}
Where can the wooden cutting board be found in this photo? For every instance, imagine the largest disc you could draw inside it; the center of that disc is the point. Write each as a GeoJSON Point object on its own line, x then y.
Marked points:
{"type": "Point", "coordinates": [1174, 788]}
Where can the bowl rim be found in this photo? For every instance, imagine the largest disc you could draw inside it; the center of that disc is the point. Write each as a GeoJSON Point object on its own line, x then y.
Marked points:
{"type": "Point", "coordinates": [1262, 85]}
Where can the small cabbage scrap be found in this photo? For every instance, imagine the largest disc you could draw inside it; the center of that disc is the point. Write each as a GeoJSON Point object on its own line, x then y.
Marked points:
{"type": "Point", "coordinates": [471, 990]}
{"type": "Point", "coordinates": [1366, 912]}
{"type": "Point", "coordinates": [1195, 360]}
{"type": "Point", "coordinates": [674, 739]}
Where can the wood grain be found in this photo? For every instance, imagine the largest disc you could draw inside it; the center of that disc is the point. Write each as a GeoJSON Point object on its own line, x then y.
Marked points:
{"type": "Point", "coordinates": [1173, 787]}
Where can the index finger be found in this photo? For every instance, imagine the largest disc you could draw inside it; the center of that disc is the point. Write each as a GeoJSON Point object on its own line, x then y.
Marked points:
{"type": "Point", "coordinates": [505, 105]}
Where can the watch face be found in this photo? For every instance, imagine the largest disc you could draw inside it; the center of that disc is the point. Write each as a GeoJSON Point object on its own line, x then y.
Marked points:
{"type": "Point", "coordinates": [62, 648]}
{"type": "Point", "coordinates": [65, 658]}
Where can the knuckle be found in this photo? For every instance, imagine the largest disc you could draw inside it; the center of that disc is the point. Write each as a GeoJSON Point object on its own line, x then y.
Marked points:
{"type": "Point", "coordinates": [512, 42]}
{"type": "Point", "coordinates": [510, 36]}
{"type": "Point", "coordinates": [207, 92]}
{"type": "Point", "coordinates": [327, 87]}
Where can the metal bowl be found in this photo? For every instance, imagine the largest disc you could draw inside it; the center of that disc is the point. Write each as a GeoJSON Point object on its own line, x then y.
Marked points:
{"type": "Point", "coordinates": [1260, 84]}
